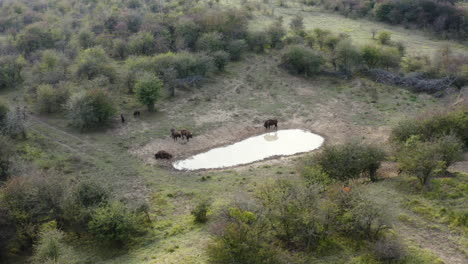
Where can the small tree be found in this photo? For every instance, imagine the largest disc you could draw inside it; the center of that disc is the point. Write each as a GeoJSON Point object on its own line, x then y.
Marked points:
{"type": "Point", "coordinates": [384, 37]}
{"type": "Point", "coordinates": [221, 59]}
{"type": "Point", "coordinates": [302, 60]}
{"type": "Point", "coordinates": [90, 109]}
{"type": "Point", "coordinates": [428, 159]}
{"type": "Point", "coordinates": [297, 24]}
{"type": "Point", "coordinates": [10, 72]}
{"type": "Point", "coordinates": [148, 90]}
{"type": "Point", "coordinates": [50, 100]}
{"type": "Point", "coordinates": [210, 42]}
{"type": "Point", "coordinates": [348, 56]}
{"type": "Point", "coordinates": [321, 35]}
{"type": "Point", "coordinates": [371, 55]}
{"type": "Point", "coordinates": [200, 212]}
{"type": "Point", "coordinates": [114, 223]}
{"type": "Point", "coordinates": [236, 48]}
{"type": "Point", "coordinates": [276, 33]}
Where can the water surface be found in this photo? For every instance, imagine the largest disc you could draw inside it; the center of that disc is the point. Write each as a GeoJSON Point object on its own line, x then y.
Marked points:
{"type": "Point", "coordinates": [278, 143]}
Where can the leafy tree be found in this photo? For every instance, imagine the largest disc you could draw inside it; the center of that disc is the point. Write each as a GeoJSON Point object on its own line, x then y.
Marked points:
{"type": "Point", "coordinates": [349, 161]}
{"type": "Point", "coordinates": [34, 37]}
{"type": "Point", "coordinates": [142, 44]}
{"type": "Point", "coordinates": [348, 56]}
{"type": "Point", "coordinates": [50, 247]}
{"type": "Point", "coordinates": [10, 72]}
{"type": "Point", "coordinates": [148, 90]}
{"type": "Point", "coordinates": [297, 24]}
{"type": "Point", "coordinates": [186, 32]}
{"type": "Point", "coordinates": [14, 123]}
{"type": "Point", "coordinates": [276, 33]}
{"type": "Point", "coordinates": [390, 58]}
{"type": "Point", "coordinates": [210, 42]}
{"type": "Point", "coordinates": [302, 60]}
{"type": "Point", "coordinates": [86, 39]}
{"type": "Point", "coordinates": [258, 41]}
{"type": "Point", "coordinates": [90, 109]}
{"type": "Point", "coordinates": [321, 35]}
{"type": "Point", "coordinates": [384, 37]}
{"type": "Point", "coordinates": [242, 239]}
{"type": "Point", "coordinates": [236, 48]}
{"type": "Point", "coordinates": [52, 67]}
{"type": "Point", "coordinates": [371, 55]}
{"type": "Point", "coordinates": [427, 159]}
{"type": "Point", "coordinates": [114, 223]}
{"type": "Point", "coordinates": [221, 59]}
{"type": "Point", "coordinates": [94, 62]}
{"type": "Point", "coordinates": [51, 100]}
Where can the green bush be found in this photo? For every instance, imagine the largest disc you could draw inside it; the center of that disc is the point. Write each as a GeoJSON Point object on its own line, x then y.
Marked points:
{"type": "Point", "coordinates": [433, 126]}
{"type": "Point", "coordinates": [302, 60]}
{"type": "Point", "coordinates": [94, 62]}
{"type": "Point", "coordinates": [90, 109]}
{"type": "Point", "coordinates": [50, 246]}
{"type": "Point", "coordinates": [258, 41]}
{"type": "Point", "coordinates": [236, 48]}
{"type": "Point", "coordinates": [148, 90]}
{"type": "Point", "coordinates": [427, 159]}
{"type": "Point", "coordinates": [51, 100]}
{"type": "Point", "coordinates": [142, 44]}
{"type": "Point", "coordinates": [10, 72]}
{"type": "Point", "coordinates": [114, 223]}
{"type": "Point", "coordinates": [221, 59]}
{"type": "Point", "coordinates": [384, 37]}
{"type": "Point", "coordinates": [241, 239]}
{"type": "Point", "coordinates": [349, 161]}
{"type": "Point", "coordinates": [200, 212]}
{"type": "Point", "coordinates": [210, 42]}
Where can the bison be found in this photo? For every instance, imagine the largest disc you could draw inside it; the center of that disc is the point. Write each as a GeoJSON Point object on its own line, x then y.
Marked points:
{"type": "Point", "coordinates": [187, 134]}
{"type": "Point", "coordinates": [162, 155]}
{"type": "Point", "coordinates": [175, 135]}
{"type": "Point", "coordinates": [270, 122]}
{"type": "Point", "coordinates": [136, 114]}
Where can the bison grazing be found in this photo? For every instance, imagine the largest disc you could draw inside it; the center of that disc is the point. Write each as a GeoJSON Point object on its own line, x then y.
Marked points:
{"type": "Point", "coordinates": [162, 155]}
{"type": "Point", "coordinates": [271, 122]}
{"type": "Point", "coordinates": [175, 135]}
{"type": "Point", "coordinates": [136, 114]}
{"type": "Point", "coordinates": [187, 134]}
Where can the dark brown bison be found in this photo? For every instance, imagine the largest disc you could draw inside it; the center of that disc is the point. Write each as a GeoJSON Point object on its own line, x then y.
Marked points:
{"type": "Point", "coordinates": [122, 118]}
{"type": "Point", "coordinates": [271, 122]}
{"type": "Point", "coordinates": [175, 135]}
{"type": "Point", "coordinates": [162, 155]}
{"type": "Point", "coordinates": [187, 134]}
{"type": "Point", "coordinates": [136, 114]}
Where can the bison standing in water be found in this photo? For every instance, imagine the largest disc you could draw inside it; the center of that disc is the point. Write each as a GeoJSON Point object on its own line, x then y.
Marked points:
{"type": "Point", "coordinates": [187, 134]}
{"type": "Point", "coordinates": [271, 122]}
{"type": "Point", "coordinates": [162, 155]}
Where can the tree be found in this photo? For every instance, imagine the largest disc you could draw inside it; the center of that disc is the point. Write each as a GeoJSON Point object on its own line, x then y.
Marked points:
{"type": "Point", "coordinates": [90, 109]}
{"type": "Point", "coordinates": [371, 55]}
{"type": "Point", "coordinates": [142, 44]}
{"type": "Point", "coordinates": [34, 37]}
{"type": "Point", "coordinates": [236, 48]}
{"type": "Point", "coordinates": [349, 161]}
{"type": "Point", "coordinates": [297, 24]}
{"type": "Point", "coordinates": [276, 33]}
{"type": "Point", "coordinates": [258, 41]}
{"type": "Point", "coordinates": [321, 35]}
{"type": "Point", "coordinates": [302, 60]}
{"type": "Point", "coordinates": [427, 159]}
{"type": "Point", "coordinates": [384, 37]}
{"type": "Point", "coordinates": [114, 223]}
{"type": "Point", "coordinates": [49, 99]}
{"type": "Point", "coordinates": [210, 42]}
{"type": "Point", "coordinates": [221, 59]}
{"type": "Point", "coordinates": [200, 212]}
{"type": "Point", "coordinates": [86, 39]}
{"type": "Point", "coordinates": [389, 58]}
{"type": "Point", "coordinates": [6, 153]}
{"type": "Point", "coordinates": [148, 90]}
{"type": "Point", "coordinates": [348, 56]}
{"type": "Point", "coordinates": [94, 62]}
{"type": "Point", "coordinates": [10, 72]}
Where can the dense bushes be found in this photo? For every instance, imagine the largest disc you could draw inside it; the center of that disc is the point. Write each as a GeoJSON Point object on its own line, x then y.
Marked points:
{"type": "Point", "coordinates": [302, 60]}
{"type": "Point", "coordinates": [347, 161]}
{"type": "Point", "coordinates": [90, 109]}
{"type": "Point", "coordinates": [434, 125]}
{"type": "Point", "coordinates": [10, 72]}
{"type": "Point", "coordinates": [446, 20]}
{"type": "Point", "coordinates": [51, 100]}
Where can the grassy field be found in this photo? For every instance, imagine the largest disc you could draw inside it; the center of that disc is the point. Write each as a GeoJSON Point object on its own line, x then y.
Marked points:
{"type": "Point", "coordinates": [227, 108]}
{"type": "Point", "coordinates": [360, 30]}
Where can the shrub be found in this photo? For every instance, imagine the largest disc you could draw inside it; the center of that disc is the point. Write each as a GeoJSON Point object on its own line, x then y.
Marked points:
{"type": "Point", "coordinates": [200, 212]}
{"type": "Point", "coordinates": [6, 153]}
{"type": "Point", "coordinates": [348, 56]}
{"type": "Point", "coordinates": [276, 32]}
{"type": "Point", "coordinates": [433, 126]}
{"type": "Point", "coordinates": [384, 37]}
{"type": "Point", "coordinates": [389, 250]}
{"type": "Point", "coordinates": [10, 72]}
{"type": "Point", "coordinates": [389, 58]}
{"type": "Point", "coordinates": [297, 24]}
{"type": "Point", "coordinates": [114, 223]}
{"type": "Point", "coordinates": [221, 59]}
{"type": "Point", "coordinates": [92, 63]}
{"type": "Point", "coordinates": [34, 37]}
{"type": "Point", "coordinates": [50, 100]}
{"type": "Point", "coordinates": [371, 55]}
{"type": "Point", "coordinates": [90, 109]}
{"type": "Point", "coordinates": [142, 44]}
{"type": "Point", "coordinates": [148, 89]}
{"type": "Point", "coordinates": [426, 159]}
{"type": "Point", "coordinates": [86, 39]}
{"type": "Point", "coordinates": [258, 41]}
{"type": "Point", "coordinates": [14, 124]}
{"type": "Point", "coordinates": [349, 161]}
{"type": "Point", "coordinates": [50, 246]}
{"type": "Point", "coordinates": [210, 42]}
{"type": "Point", "coordinates": [236, 48]}
{"type": "Point", "coordinates": [302, 60]}
{"type": "Point", "coordinates": [315, 175]}
{"type": "Point", "coordinates": [241, 238]}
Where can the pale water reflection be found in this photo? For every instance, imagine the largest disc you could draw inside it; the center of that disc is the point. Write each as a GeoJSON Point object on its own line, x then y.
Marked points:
{"type": "Point", "coordinates": [278, 143]}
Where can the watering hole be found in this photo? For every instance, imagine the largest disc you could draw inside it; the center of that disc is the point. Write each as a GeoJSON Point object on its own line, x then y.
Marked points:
{"type": "Point", "coordinates": [278, 143]}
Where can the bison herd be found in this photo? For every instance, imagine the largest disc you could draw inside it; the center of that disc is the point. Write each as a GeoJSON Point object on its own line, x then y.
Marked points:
{"type": "Point", "coordinates": [187, 135]}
